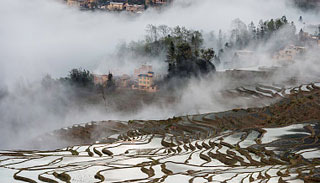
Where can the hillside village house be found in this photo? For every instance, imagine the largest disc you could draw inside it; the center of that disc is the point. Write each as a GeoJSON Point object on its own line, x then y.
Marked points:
{"type": "Point", "coordinates": [316, 40]}
{"type": "Point", "coordinates": [124, 81]}
{"type": "Point", "coordinates": [100, 79]}
{"type": "Point", "coordinates": [135, 8]}
{"type": "Point", "coordinates": [145, 79]}
{"type": "Point", "coordinates": [146, 82]}
{"type": "Point", "coordinates": [310, 39]}
{"type": "Point", "coordinates": [157, 2]}
{"type": "Point", "coordinates": [79, 2]}
{"type": "Point", "coordinates": [116, 6]}
{"type": "Point", "coordinates": [288, 54]}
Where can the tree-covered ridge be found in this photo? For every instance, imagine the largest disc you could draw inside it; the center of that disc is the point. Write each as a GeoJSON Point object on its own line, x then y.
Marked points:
{"type": "Point", "coordinates": [158, 38]}
{"type": "Point", "coordinates": [188, 53]}
{"type": "Point", "coordinates": [243, 35]}
{"type": "Point", "coordinates": [181, 48]}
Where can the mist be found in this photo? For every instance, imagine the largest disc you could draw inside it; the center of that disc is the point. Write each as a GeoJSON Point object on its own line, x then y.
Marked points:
{"type": "Point", "coordinates": [40, 37]}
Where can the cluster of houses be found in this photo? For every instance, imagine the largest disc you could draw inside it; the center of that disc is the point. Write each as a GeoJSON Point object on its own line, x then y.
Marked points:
{"type": "Point", "coordinates": [143, 79]}
{"type": "Point", "coordinates": [135, 6]}
{"type": "Point", "coordinates": [287, 55]}
{"type": "Point", "coordinates": [292, 52]}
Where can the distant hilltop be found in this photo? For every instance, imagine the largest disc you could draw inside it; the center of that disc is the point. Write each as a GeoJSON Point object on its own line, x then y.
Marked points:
{"type": "Point", "coordinates": [135, 6]}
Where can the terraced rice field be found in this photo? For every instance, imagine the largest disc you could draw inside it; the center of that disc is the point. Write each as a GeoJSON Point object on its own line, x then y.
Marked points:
{"type": "Point", "coordinates": [277, 143]}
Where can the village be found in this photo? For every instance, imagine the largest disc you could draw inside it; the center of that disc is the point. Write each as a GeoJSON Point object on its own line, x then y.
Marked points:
{"type": "Point", "coordinates": [143, 79]}
{"type": "Point", "coordinates": [134, 6]}
{"type": "Point", "coordinates": [283, 57]}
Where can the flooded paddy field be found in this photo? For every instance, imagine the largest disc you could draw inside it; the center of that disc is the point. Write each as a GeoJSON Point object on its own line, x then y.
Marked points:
{"type": "Point", "coordinates": [275, 143]}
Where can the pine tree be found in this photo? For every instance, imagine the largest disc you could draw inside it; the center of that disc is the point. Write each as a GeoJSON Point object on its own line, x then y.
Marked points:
{"type": "Point", "coordinates": [252, 30]}
{"type": "Point", "coordinates": [300, 19]}
{"type": "Point", "coordinates": [207, 54]}
{"type": "Point", "coordinates": [271, 26]}
{"type": "Point", "coordinates": [284, 19]}
{"type": "Point", "coordinates": [171, 58]}
{"type": "Point", "coordinates": [110, 83]}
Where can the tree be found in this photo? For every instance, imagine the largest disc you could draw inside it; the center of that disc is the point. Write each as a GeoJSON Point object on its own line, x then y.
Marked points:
{"type": "Point", "coordinates": [278, 24]}
{"type": "Point", "coordinates": [164, 30]}
{"type": "Point", "coordinates": [196, 42]}
{"type": "Point", "coordinates": [171, 58]}
{"type": "Point", "coordinates": [261, 30]}
{"type": "Point", "coordinates": [152, 33]}
{"type": "Point", "coordinates": [293, 28]}
{"type": "Point", "coordinates": [284, 19]}
{"type": "Point", "coordinates": [207, 54]}
{"type": "Point", "coordinates": [186, 34]}
{"type": "Point", "coordinates": [47, 82]}
{"type": "Point", "coordinates": [271, 26]}
{"type": "Point", "coordinates": [300, 19]}
{"type": "Point", "coordinates": [301, 36]}
{"type": "Point", "coordinates": [239, 33]}
{"type": "Point", "coordinates": [252, 30]}
{"type": "Point", "coordinates": [110, 83]}
{"type": "Point", "coordinates": [177, 33]}
{"type": "Point", "coordinates": [80, 77]}
{"type": "Point", "coordinates": [184, 52]}
{"type": "Point", "coordinates": [227, 45]}
{"type": "Point", "coordinates": [220, 40]}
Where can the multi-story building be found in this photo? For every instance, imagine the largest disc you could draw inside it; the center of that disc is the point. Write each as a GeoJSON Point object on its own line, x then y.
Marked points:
{"type": "Point", "coordinates": [144, 79]}
{"type": "Point", "coordinates": [145, 82]}
{"type": "Point", "coordinates": [116, 6]}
